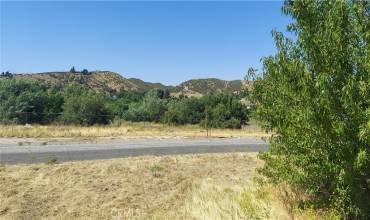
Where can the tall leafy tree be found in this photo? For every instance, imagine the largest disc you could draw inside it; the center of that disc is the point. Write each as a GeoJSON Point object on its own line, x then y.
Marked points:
{"type": "Point", "coordinates": [184, 111]}
{"type": "Point", "coordinates": [23, 102]}
{"type": "Point", "coordinates": [315, 94]}
{"type": "Point", "coordinates": [85, 107]}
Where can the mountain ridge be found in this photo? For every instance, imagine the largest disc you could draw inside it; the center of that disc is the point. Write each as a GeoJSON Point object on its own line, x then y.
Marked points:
{"type": "Point", "coordinates": [114, 82]}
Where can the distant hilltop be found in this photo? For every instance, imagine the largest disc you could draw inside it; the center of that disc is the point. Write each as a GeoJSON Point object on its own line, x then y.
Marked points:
{"type": "Point", "coordinates": [113, 82]}
{"type": "Point", "coordinates": [211, 85]}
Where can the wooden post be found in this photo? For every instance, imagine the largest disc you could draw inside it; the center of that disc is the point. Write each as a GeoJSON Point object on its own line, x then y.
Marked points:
{"type": "Point", "coordinates": [206, 120]}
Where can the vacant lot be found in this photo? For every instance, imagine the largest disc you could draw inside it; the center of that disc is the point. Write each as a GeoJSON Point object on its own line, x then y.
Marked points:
{"type": "Point", "coordinates": [210, 186]}
{"type": "Point", "coordinates": [139, 187]}
{"type": "Point", "coordinates": [124, 130]}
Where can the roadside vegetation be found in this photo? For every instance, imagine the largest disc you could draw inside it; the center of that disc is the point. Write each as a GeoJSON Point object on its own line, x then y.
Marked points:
{"type": "Point", "coordinates": [208, 186]}
{"type": "Point", "coordinates": [126, 129]}
{"type": "Point", "coordinates": [315, 95]}
{"type": "Point", "coordinates": [28, 102]}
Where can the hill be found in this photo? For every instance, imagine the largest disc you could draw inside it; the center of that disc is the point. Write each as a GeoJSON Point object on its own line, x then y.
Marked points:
{"type": "Point", "coordinates": [203, 86]}
{"type": "Point", "coordinates": [113, 82]}
{"type": "Point", "coordinates": [145, 86]}
{"type": "Point", "coordinates": [97, 80]}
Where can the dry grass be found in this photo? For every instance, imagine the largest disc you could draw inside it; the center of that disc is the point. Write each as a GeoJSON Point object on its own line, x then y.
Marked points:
{"type": "Point", "coordinates": [214, 201]}
{"type": "Point", "coordinates": [141, 187]}
{"type": "Point", "coordinates": [125, 130]}
{"type": "Point", "coordinates": [207, 187]}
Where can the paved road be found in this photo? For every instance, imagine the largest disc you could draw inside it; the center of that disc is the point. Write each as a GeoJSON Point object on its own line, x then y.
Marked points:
{"type": "Point", "coordinates": [38, 152]}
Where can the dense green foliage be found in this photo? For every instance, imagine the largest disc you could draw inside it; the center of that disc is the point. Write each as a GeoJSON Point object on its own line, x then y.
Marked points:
{"type": "Point", "coordinates": [315, 94]}
{"type": "Point", "coordinates": [85, 72]}
{"type": "Point", "coordinates": [82, 106]}
{"type": "Point", "coordinates": [28, 102]}
{"type": "Point", "coordinates": [6, 74]}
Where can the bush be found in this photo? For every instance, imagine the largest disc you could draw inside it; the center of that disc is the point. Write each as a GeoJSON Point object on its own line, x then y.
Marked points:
{"type": "Point", "coordinates": [85, 72]}
{"type": "Point", "coordinates": [226, 111]}
{"type": "Point", "coordinates": [135, 112]}
{"type": "Point", "coordinates": [6, 74]}
{"type": "Point", "coordinates": [184, 111]}
{"type": "Point", "coordinates": [152, 108]}
{"type": "Point", "coordinates": [315, 95]}
{"type": "Point", "coordinates": [26, 102]}
{"type": "Point", "coordinates": [85, 107]}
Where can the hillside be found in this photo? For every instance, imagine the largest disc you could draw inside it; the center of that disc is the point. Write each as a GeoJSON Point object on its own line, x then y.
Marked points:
{"type": "Point", "coordinates": [97, 80]}
{"type": "Point", "coordinates": [203, 86]}
{"type": "Point", "coordinates": [113, 82]}
{"type": "Point", "coordinates": [145, 86]}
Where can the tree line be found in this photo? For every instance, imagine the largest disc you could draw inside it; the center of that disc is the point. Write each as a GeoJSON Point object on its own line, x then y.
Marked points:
{"type": "Point", "coordinates": [6, 74]}
{"type": "Point", "coordinates": [31, 102]}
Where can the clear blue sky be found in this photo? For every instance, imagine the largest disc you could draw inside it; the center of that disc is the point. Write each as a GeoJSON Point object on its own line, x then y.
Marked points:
{"type": "Point", "coordinates": [166, 42]}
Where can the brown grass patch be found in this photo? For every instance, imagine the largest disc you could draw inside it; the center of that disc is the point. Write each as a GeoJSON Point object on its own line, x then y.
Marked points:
{"type": "Point", "coordinates": [206, 187]}
{"type": "Point", "coordinates": [130, 188]}
{"type": "Point", "coordinates": [124, 130]}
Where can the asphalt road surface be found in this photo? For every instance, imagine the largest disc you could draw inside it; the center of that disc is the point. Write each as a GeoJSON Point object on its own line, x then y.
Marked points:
{"type": "Point", "coordinates": [37, 152]}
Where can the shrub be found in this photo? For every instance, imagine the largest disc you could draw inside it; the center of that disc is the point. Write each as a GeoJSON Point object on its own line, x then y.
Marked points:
{"type": "Point", "coordinates": [315, 95]}
{"type": "Point", "coordinates": [26, 102]}
{"type": "Point", "coordinates": [85, 72]}
{"type": "Point", "coordinates": [226, 111]}
{"type": "Point", "coordinates": [184, 111]}
{"type": "Point", "coordinates": [6, 74]}
{"type": "Point", "coordinates": [85, 107]}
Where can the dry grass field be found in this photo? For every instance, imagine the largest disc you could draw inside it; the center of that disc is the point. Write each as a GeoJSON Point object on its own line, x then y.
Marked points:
{"type": "Point", "coordinates": [209, 187]}
{"type": "Point", "coordinates": [124, 130]}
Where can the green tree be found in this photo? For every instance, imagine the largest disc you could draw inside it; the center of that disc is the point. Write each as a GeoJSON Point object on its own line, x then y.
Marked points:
{"type": "Point", "coordinates": [154, 106]}
{"type": "Point", "coordinates": [166, 94]}
{"type": "Point", "coordinates": [315, 95]}
{"type": "Point", "coordinates": [226, 110]}
{"type": "Point", "coordinates": [85, 72]}
{"type": "Point", "coordinates": [72, 70]}
{"type": "Point", "coordinates": [54, 106]}
{"type": "Point", "coordinates": [135, 112]}
{"type": "Point", "coordinates": [7, 74]}
{"type": "Point", "coordinates": [85, 107]}
{"type": "Point", "coordinates": [184, 111]}
{"type": "Point", "coordinates": [24, 102]}
{"type": "Point", "coordinates": [151, 108]}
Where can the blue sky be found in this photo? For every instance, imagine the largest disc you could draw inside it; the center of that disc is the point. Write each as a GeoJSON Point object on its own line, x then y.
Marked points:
{"type": "Point", "coordinates": [166, 42]}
